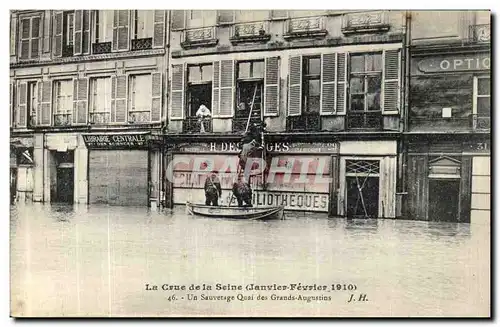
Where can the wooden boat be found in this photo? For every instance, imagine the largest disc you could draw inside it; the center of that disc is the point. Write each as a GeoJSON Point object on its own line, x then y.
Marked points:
{"type": "Point", "coordinates": [249, 213]}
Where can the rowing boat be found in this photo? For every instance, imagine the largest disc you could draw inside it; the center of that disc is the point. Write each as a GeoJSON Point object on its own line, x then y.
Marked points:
{"type": "Point", "coordinates": [249, 213]}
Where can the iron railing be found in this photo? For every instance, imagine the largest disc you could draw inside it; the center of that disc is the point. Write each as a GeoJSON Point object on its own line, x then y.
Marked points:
{"type": "Point", "coordinates": [62, 119]}
{"type": "Point", "coordinates": [309, 122]}
{"type": "Point", "coordinates": [100, 117]}
{"type": "Point", "coordinates": [193, 125]}
{"type": "Point", "coordinates": [364, 120]}
{"type": "Point", "coordinates": [142, 44]}
{"type": "Point", "coordinates": [143, 116]}
{"type": "Point", "coordinates": [240, 124]}
{"type": "Point", "coordinates": [101, 47]}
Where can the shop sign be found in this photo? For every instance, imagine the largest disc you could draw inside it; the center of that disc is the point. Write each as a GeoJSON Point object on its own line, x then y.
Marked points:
{"type": "Point", "coordinates": [455, 63]}
{"type": "Point", "coordinates": [479, 147]}
{"type": "Point", "coordinates": [272, 147]}
{"type": "Point", "coordinates": [115, 140]}
{"type": "Point", "coordinates": [302, 201]}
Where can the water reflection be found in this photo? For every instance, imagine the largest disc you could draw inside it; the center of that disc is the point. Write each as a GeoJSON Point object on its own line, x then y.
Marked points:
{"type": "Point", "coordinates": [97, 259]}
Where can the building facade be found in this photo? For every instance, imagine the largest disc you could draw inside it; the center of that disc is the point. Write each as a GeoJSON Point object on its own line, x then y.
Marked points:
{"type": "Point", "coordinates": [86, 103]}
{"type": "Point", "coordinates": [447, 136]}
{"type": "Point", "coordinates": [327, 84]}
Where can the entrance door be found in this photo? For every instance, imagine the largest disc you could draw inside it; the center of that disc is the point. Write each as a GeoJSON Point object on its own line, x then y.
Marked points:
{"type": "Point", "coordinates": [362, 196]}
{"type": "Point", "coordinates": [65, 185]}
{"type": "Point", "coordinates": [444, 199]}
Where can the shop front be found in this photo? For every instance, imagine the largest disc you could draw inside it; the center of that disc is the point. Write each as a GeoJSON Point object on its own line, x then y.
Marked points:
{"type": "Point", "coordinates": [21, 168]}
{"type": "Point", "coordinates": [300, 176]}
{"type": "Point", "coordinates": [122, 169]}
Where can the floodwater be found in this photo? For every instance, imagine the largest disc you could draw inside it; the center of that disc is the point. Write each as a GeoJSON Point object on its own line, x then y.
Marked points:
{"type": "Point", "coordinates": [96, 261]}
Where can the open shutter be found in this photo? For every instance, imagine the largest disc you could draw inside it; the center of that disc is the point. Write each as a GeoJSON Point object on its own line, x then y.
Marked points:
{"type": "Point", "coordinates": [226, 88]}
{"type": "Point", "coordinates": [391, 94]}
{"type": "Point", "coordinates": [119, 99]}
{"type": "Point", "coordinates": [178, 20]}
{"type": "Point", "coordinates": [36, 25]}
{"type": "Point", "coordinates": [225, 17]}
{"type": "Point", "coordinates": [272, 87]}
{"type": "Point", "coordinates": [80, 100]}
{"type": "Point", "coordinates": [156, 96]}
{"type": "Point", "coordinates": [328, 83]}
{"type": "Point", "coordinates": [216, 89]}
{"type": "Point", "coordinates": [58, 31]}
{"type": "Point", "coordinates": [121, 30]}
{"type": "Point", "coordinates": [11, 104]}
{"type": "Point", "coordinates": [22, 100]}
{"type": "Point", "coordinates": [177, 109]}
{"type": "Point", "coordinates": [159, 29]}
{"type": "Point", "coordinates": [13, 33]}
{"type": "Point", "coordinates": [47, 34]}
{"type": "Point", "coordinates": [25, 38]}
{"type": "Point", "coordinates": [78, 32]}
{"type": "Point", "coordinates": [86, 32]}
{"type": "Point", "coordinates": [341, 89]}
{"type": "Point", "coordinates": [295, 87]}
{"type": "Point", "coordinates": [44, 116]}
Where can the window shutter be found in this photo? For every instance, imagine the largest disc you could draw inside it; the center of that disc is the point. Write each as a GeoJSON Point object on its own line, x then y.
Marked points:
{"type": "Point", "coordinates": [77, 32]}
{"type": "Point", "coordinates": [328, 83]}
{"type": "Point", "coordinates": [119, 99]}
{"type": "Point", "coordinates": [159, 29]}
{"type": "Point", "coordinates": [22, 100]}
{"type": "Point", "coordinates": [121, 30]}
{"type": "Point", "coordinates": [226, 88]}
{"type": "Point", "coordinates": [44, 116]}
{"type": "Point", "coordinates": [13, 33]}
{"type": "Point", "coordinates": [340, 99]}
{"type": "Point", "coordinates": [216, 89]}
{"type": "Point", "coordinates": [295, 87]}
{"type": "Point", "coordinates": [178, 20]}
{"type": "Point", "coordinates": [46, 31]}
{"type": "Point", "coordinates": [156, 96]}
{"type": "Point", "coordinates": [11, 104]}
{"type": "Point", "coordinates": [225, 17]}
{"type": "Point", "coordinates": [391, 97]}
{"type": "Point", "coordinates": [25, 39]}
{"type": "Point", "coordinates": [272, 87]}
{"type": "Point", "coordinates": [35, 37]}
{"type": "Point", "coordinates": [80, 100]}
{"type": "Point", "coordinates": [86, 32]}
{"type": "Point", "coordinates": [177, 109]}
{"type": "Point", "coordinates": [58, 39]}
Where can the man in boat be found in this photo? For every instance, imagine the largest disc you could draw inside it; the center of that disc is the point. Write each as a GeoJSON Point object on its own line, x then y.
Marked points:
{"type": "Point", "coordinates": [213, 189]}
{"type": "Point", "coordinates": [243, 193]}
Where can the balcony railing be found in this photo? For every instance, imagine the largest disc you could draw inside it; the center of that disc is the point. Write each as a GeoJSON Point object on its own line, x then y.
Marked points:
{"type": "Point", "coordinates": [240, 124]}
{"type": "Point", "coordinates": [309, 122]}
{"type": "Point", "coordinates": [193, 125]}
{"type": "Point", "coordinates": [62, 119]}
{"type": "Point", "coordinates": [101, 47]}
{"type": "Point", "coordinates": [480, 33]}
{"type": "Point", "coordinates": [100, 117]}
{"type": "Point", "coordinates": [374, 21]}
{"type": "Point", "coordinates": [364, 120]}
{"type": "Point", "coordinates": [199, 37]}
{"type": "Point", "coordinates": [142, 44]}
{"type": "Point", "coordinates": [251, 32]}
{"type": "Point", "coordinates": [136, 116]}
{"type": "Point", "coordinates": [67, 50]}
{"type": "Point", "coordinates": [306, 27]}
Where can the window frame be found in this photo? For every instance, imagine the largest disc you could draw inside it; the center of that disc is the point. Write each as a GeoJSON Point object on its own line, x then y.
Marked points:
{"type": "Point", "coordinates": [97, 23]}
{"type": "Point", "coordinates": [56, 97]}
{"type": "Point", "coordinates": [132, 92]}
{"type": "Point", "coordinates": [32, 100]}
{"type": "Point", "coordinates": [306, 77]}
{"type": "Point", "coordinates": [69, 39]}
{"type": "Point", "coordinates": [92, 94]}
{"type": "Point", "coordinates": [365, 74]}
{"type": "Point", "coordinates": [30, 38]}
{"type": "Point", "coordinates": [476, 95]}
{"type": "Point", "coordinates": [201, 82]}
{"type": "Point", "coordinates": [135, 24]}
{"type": "Point", "coordinates": [251, 79]}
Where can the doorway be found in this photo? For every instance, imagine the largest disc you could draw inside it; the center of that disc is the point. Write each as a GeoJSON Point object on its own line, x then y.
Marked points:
{"type": "Point", "coordinates": [444, 195]}
{"type": "Point", "coordinates": [362, 197]}
{"type": "Point", "coordinates": [65, 185]}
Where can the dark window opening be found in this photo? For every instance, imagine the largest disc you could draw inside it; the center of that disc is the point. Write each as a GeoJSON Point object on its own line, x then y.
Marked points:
{"type": "Point", "coordinates": [31, 104]}
{"type": "Point", "coordinates": [311, 84]}
{"type": "Point", "coordinates": [68, 33]}
{"type": "Point", "coordinates": [199, 90]}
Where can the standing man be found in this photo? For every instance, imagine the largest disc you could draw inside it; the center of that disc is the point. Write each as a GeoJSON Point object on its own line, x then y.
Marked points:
{"type": "Point", "coordinates": [213, 189]}
{"type": "Point", "coordinates": [202, 114]}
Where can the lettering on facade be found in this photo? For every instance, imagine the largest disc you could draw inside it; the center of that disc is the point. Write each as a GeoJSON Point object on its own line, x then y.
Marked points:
{"type": "Point", "coordinates": [291, 200]}
{"type": "Point", "coordinates": [110, 140]}
{"type": "Point", "coordinates": [455, 63]}
{"type": "Point", "coordinates": [276, 147]}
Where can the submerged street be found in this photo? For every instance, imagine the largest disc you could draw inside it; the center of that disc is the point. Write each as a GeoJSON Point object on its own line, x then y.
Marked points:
{"type": "Point", "coordinates": [96, 261]}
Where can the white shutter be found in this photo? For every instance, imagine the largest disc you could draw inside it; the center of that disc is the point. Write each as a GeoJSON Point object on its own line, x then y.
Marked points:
{"type": "Point", "coordinates": [272, 87]}
{"type": "Point", "coordinates": [295, 87]}
{"type": "Point", "coordinates": [391, 82]}
{"type": "Point", "coordinates": [328, 83]}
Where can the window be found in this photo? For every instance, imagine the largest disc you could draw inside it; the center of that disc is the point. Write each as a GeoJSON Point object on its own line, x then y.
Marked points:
{"type": "Point", "coordinates": [199, 87]}
{"type": "Point", "coordinates": [100, 100]}
{"type": "Point", "coordinates": [483, 96]}
{"type": "Point", "coordinates": [103, 25]}
{"type": "Point", "coordinates": [365, 82]}
{"type": "Point", "coordinates": [140, 93]}
{"type": "Point", "coordinates": [250, 83]}
{"type": "Point", "coordinates": [63, 102]}
{"type": "Point", "coordinates": [200, 18]}
{"type": "Point", "coordinates": [32, 102]}
{"type": "Point", "coordinates": [311, 93]}
{"type": "Point", "coordinates": [143, 24]}
{"type": "Point", "coordinates": [30, 37]}
{"type": "Point", "coordinates": [70, 21]}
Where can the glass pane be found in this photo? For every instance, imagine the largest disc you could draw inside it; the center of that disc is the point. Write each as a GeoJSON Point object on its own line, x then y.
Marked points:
{"type": "Point", "coordinates": [374, 62]}
{"type": "Point", "coordinates": [374, 83]}
{"type": "Point", "coordinates": [206, 73]}
{"type": "Point", "coordinates": [357, 63]}
{"type": "Point", "coordinates": [314, 66]}
{"type": "Point", "coordinates": [483, 86]}
{"type": "Point", "coordinates": [483, 106]}
{"type": "Point", "coordinates": [244, 70]}
{"type": "Point", "coordinates": [314, 87]}
{"type": "Point", "coordinates": [313, 98]}
{"type": "Point", "coordinates": [258, 69]}
{"type": "Point", "coordinates": [194, 74]}
{"type": "Point", "coordinates": [373, 100]}
{"type": "Point", "coordinates": [357, 102]}
{"type": "Point", "coordinates": [357, 85]}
